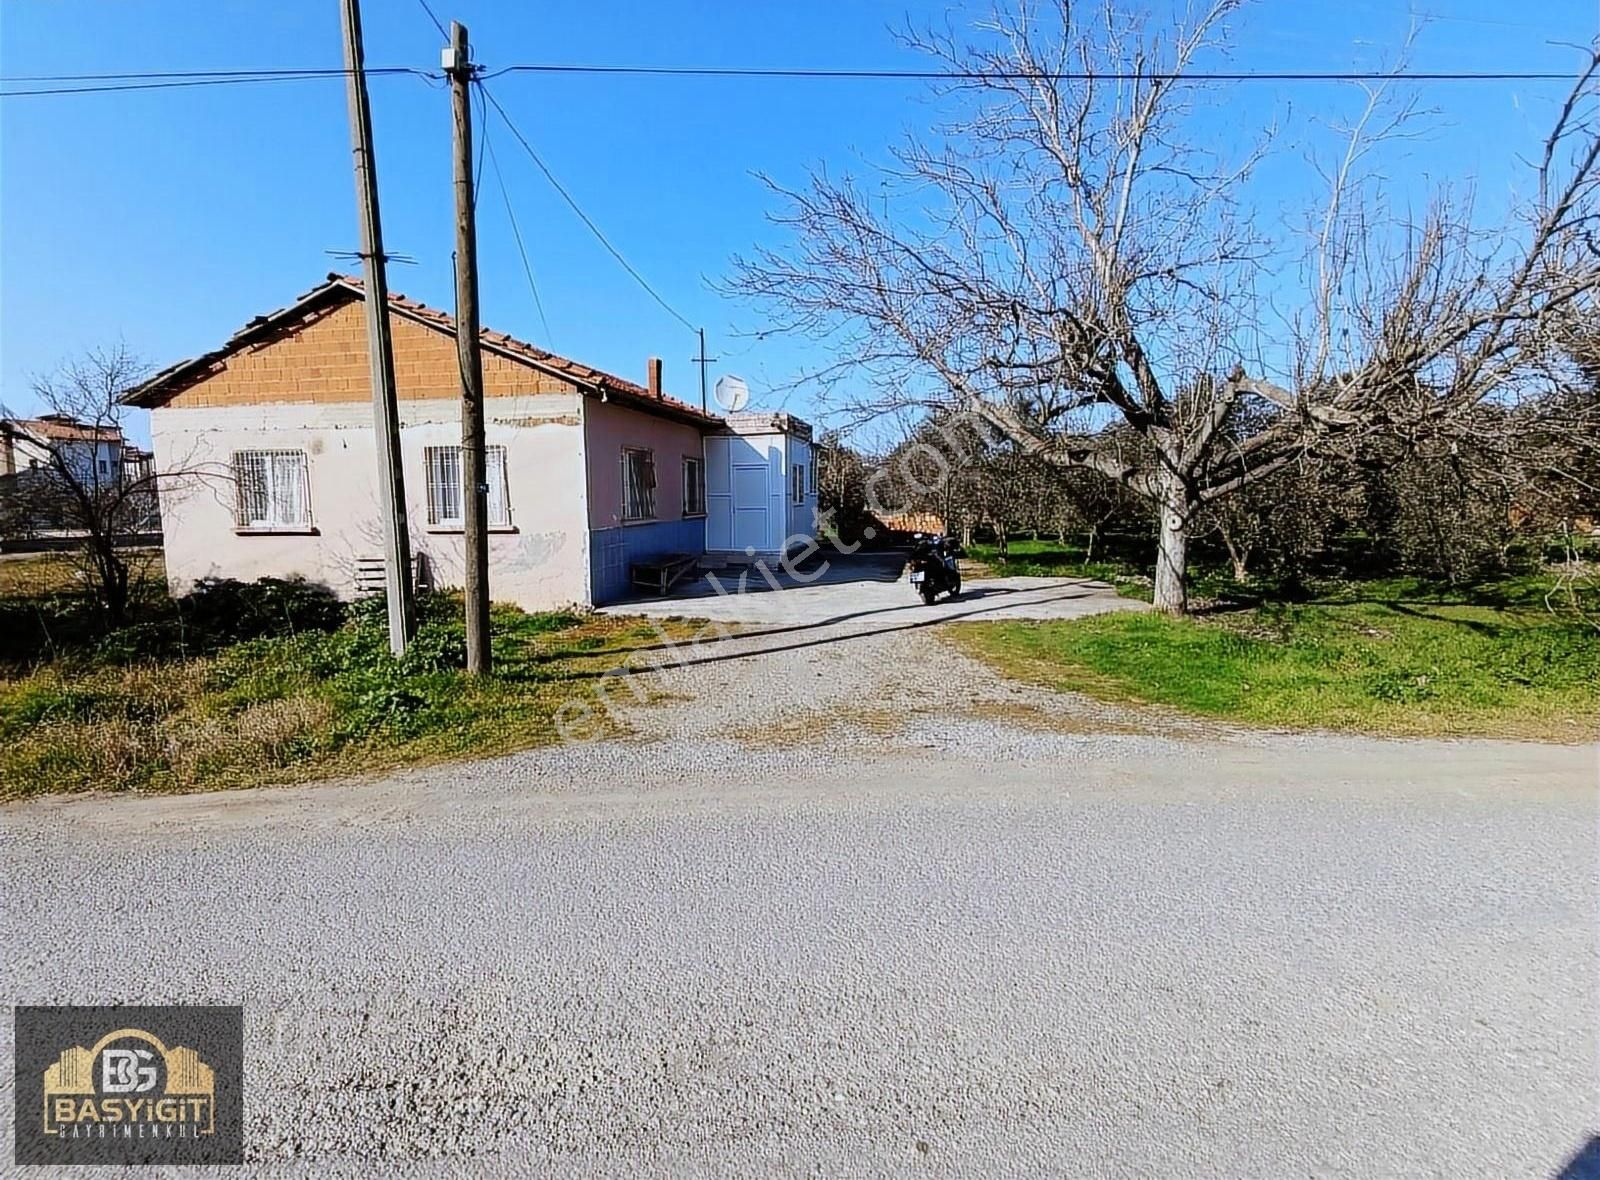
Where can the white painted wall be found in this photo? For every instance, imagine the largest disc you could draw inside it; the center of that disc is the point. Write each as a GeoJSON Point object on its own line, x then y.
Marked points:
{"type": "Point", "coordinates": [732, 495]}
{"type": "Point", "coordinates": [542, 564]}
{"type": "Point", "coordinates": [803, 515]}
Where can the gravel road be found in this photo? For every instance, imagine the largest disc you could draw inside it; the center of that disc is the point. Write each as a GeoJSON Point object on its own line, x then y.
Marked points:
{"type": "Point", "coordinates": [1000, 934]}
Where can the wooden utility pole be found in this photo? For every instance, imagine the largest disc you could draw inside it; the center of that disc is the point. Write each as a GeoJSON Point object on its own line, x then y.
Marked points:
{"type": "Point", "coordinates": [474, 464]}
{"type": "Point", "coordinates": [385, 411]}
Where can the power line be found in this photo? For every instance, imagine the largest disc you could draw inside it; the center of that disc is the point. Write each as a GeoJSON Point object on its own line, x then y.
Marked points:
{"type": "Point", "coordinates": [582, 216]}
{"type": "Point", "coordinates": [1029, 76]}
{"type": "Point", "coordinates": [516, 232]}
{"type": "Point", "coordinates": [810, 73]}
{"type": "Point", "coordinates": [183, 83]}
{"type": "Point", "coordinates": [436, 22]}
{"type": "Point", "coordinates": [156, 75]}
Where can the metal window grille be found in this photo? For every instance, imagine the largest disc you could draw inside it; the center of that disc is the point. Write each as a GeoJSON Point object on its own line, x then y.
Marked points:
{"type": "Point", "coordinates": [447, 491]}
{"type": "Point", "coordinates": [494, 474]}
{"type": "Point", "coordinates": [694, 487]}
{"type": "Point", "coordinates": [638, 484]}
{"type": "Point", "coordinates": [274, 489]}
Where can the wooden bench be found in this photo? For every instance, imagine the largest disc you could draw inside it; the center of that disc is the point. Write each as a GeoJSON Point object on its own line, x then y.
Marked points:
{"type": "Point", "coordinates": [660, 574]}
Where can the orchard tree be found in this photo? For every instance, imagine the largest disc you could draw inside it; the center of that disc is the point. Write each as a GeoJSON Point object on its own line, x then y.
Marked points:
{"type": "Point", "coordinates": [1085, 269]}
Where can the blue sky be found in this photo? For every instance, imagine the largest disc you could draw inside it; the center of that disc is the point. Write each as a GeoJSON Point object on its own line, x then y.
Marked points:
{"type": "Point", "coordinates": [169, 218]}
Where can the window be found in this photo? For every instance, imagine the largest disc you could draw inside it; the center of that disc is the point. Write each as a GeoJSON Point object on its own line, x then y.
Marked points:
{"type": "Point", "coordinates": [638, 484]}
{"type": "Point", "coordinates": [694, 486]}
{"type": "Point", "coordinates": [274, 492]}
{"type": "Point", "coordinates": [447, 489]}
{"type": "Point", "coordinates": [798, 483]}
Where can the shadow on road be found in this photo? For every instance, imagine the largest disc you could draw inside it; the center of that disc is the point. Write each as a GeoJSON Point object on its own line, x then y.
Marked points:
{"type": "Point", "coordinates": [627, 669]}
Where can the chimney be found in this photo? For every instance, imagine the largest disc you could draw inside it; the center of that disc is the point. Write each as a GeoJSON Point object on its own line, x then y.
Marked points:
{"type": "Point", "coordinates": [655, 376]}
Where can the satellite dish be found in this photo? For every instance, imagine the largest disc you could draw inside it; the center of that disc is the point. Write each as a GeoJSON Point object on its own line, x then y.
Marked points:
{"type": "Point", "coordinates": [732, 393]}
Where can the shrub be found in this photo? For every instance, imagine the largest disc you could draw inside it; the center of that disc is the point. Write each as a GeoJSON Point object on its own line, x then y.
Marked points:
{"type": "Point", "coordinates": [227, 611]}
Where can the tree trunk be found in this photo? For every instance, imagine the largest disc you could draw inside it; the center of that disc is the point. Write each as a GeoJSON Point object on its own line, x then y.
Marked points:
{"type": "Point", "coordinates": [1172, 549]}
{"type": "Point", "coordinates": [1238, 555]}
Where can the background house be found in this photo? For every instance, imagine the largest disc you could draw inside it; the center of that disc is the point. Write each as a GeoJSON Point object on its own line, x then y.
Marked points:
{"type": "Point", "coordinates": [92, 453]}
{"type": "Point", "coordinates": [588, 472]}
{"type": "Point", "coordinates": [48, 463]}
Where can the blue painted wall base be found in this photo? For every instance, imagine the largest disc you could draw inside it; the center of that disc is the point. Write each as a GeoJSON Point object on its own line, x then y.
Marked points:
{"type": "Point", "coordinates": [612, 550]}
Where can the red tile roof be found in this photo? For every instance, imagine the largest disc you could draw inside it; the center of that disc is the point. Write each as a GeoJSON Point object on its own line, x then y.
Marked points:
{"type": "Point", "coordinates": [166, 384]}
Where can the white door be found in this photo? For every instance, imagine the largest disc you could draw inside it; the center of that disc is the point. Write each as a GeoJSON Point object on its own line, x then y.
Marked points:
{"type": "Point", "coordinates": [750, 506]}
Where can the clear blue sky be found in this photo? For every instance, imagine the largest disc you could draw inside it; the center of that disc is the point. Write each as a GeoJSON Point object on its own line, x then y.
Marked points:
{"type": "Point", "coordinates": [169, 218]}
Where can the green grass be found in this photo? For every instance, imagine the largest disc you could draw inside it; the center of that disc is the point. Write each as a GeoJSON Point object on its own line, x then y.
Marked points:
{"type": "Point", "coordinates": [1052, 559]}
{"type": "Point", "coordinates": [315, 704]}
{"type": "Point", "coordinates": [1394, 657]}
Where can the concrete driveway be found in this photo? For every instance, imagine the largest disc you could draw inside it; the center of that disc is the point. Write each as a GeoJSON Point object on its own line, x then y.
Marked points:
{"type": "Point", "coordinates": [864, 587]}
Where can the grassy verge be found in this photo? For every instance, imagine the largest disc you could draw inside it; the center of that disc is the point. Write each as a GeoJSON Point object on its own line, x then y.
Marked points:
{"type": "Point", "coordinates": [312, 704]}
{"type": "Point", "coordinates": [1395, 658]}
{"type": "Point", "coordinates": [1051, 559]}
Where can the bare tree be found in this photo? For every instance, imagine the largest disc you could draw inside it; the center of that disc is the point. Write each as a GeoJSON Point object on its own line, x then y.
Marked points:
{"type": "Point", "coordinates": [1085, 275]}
{"type": "Point", "coordinates": [80, 479]}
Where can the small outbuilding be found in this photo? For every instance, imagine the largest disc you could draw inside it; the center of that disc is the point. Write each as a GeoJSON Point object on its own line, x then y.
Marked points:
{"type": "Point", "coordinates": [761, 494]}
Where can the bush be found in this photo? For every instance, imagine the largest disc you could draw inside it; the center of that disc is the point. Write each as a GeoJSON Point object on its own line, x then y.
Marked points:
{"type": "Point", "coordinates": [226, 611]}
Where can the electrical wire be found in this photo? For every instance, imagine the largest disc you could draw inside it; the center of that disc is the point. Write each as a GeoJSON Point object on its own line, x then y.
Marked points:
{"type": "Point", "coordinates": [238, 79]}
{"type": "Point", "coordinates": [516, 233]}
{"type": "Point", "coordinates": [1026, 76]}
{"type": "Point", "coordinates": [436, 22]}
{"type": "Point", "coordinates": [582, 216]}
{"type": "Point", "coordinates": [153, 80]}
{"type": "Point", "coordinates": [158, 75]}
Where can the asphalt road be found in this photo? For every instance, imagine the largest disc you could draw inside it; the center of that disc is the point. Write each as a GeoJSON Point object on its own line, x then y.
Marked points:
{"type": "Point", "coordinates": [1086, 956]}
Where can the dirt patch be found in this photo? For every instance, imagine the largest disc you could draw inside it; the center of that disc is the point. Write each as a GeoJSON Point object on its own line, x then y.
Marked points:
{"type": "Point", "coordinates": [816, 725]}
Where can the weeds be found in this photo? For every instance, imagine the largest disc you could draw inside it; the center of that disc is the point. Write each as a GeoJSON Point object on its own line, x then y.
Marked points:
{"type": "Point", "coordinates": [320, 696]}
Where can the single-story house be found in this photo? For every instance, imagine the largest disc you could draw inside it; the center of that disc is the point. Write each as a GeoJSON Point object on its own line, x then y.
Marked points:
{"type": "Point", "coordinates": [269, 460]}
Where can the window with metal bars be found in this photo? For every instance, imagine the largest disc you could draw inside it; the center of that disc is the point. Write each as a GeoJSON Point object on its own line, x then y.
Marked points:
{"type": "Point", "coordinates": [694, 486]}
{"type": "Point", "coordinates": [274, 490]}
{"type": "Point", "coordinates": [638, 484]}
{"type": "Point", "coordinates": [447, 490]}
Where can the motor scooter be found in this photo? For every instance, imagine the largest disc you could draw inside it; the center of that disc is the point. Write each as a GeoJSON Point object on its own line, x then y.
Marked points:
{"type": "Point", "coordinates": [933, 566]}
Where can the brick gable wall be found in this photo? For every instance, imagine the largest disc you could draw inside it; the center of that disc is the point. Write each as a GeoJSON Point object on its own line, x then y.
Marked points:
{"type": "Point", "coordinates": [323, 359]}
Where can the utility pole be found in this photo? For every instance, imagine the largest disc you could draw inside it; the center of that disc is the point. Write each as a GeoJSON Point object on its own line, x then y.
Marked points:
{"type": "Point", "coordinates": [385, 411]}
{"type": "Point", "coordinates": [703, 360]}
{"type": "Point", "coordinates": [474, 475]}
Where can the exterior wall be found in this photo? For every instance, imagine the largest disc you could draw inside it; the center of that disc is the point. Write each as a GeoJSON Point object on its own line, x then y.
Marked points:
{"type": "Point", "coordinates": [608, 428]}
{"type": "Point", "coordinates": [747, 533]}
{"type": "Point", "coordinates": [802, 516]}
{"type": "Point", "coordinates": [542, 562]}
